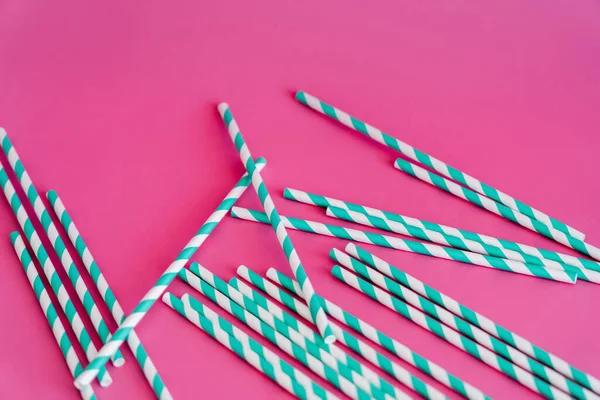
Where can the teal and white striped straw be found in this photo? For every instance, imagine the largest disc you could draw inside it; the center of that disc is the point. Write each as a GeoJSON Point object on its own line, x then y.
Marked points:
{"type": "Point", "coordinates": [57, 243]}
{"type": "Point", "coordinates": [308, 360]}
{"type": "Point", "coordinates": [57, 286]}
{"type": "Point", "coordinates": [497, 208]}
{"type": "Point", "coordinates": [298, 270]}
{"type": "Point", "coordinates": [141, 355]}
{"type": "Point", "coordinates": [62, 340]}
{"type": "Point", "coordinates": [434, 163]}
{"type": "Point", "coordinates": [457, 242]}
{"type": "Point", "coordinates": [475, 318]}
{"type": "Point", "coordinates": [464, 327]}
{"type": "Point", "coordinates": [150, 298]}
{"type": "Point", "coordinates": [511, 370]}
{"type": "Point", "coordinates": [392, 345]}
{"type": "Point", "coordinates": [412, 246]}
{"type": "Point", "coordinates": [355, 344]}
{"type": "Point", "coordinates": [322, 201]}
{"type": "Point", "coordinates": [275, 371]}
{"type": "Point", "coordinates": [282, 335]}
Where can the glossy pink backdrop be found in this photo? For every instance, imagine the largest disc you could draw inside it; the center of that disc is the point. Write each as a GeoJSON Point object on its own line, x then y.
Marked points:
{"type": "Point", "coordinates": [114, 106]}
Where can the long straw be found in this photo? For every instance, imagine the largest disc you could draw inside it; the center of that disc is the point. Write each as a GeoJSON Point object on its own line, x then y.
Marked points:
{"type": "Point", "coordinates": [467, 329]}
{"type": "Point", "coordinates": [289, 340]}
{"type": "Point", "coordinates": [140, 311]}
{"type": "Point", "coordinates": [496, 208]}
{"type": "Point", "coordinates": [322, 201]}
{"type": "Point", "coordinates": [60, 335]}
{"type": "Point", "coordinates": [355, 344]}
{"type": "Point", "coordinates": [298, 270]}
{"type": "Point", "coordinates": [392, 345]}
{"type": "Point", "coordinates": [434, 163]}
{"type": "Point", "coordinates": [457, 242]}
{"type": "Point", "coordinates": [141, 355]}
{"type": "Point", "coordinates": [275, 371]}
{"type": "Point", "coordinates": [58, 245]}
{"type": "Point", "coordinates": [412, 246]}
{"type": "Point", "coordinates": [475, 318]}
{"type": "Point", "coordinates": [50, 272]}
{"type": "Point", "coordinates": [492, 359]}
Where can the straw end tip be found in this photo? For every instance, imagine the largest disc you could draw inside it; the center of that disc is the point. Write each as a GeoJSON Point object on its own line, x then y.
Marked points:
{"type": "Point", "coordinates": [119, 362]}
{"type": "Point", "coordinates": [330, 339]}
{"type": "Point", "coordinates": [222, 107]}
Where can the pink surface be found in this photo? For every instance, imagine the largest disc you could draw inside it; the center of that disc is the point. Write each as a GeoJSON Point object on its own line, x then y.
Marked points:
{"type": "Point", "coordinates": [114, 106]}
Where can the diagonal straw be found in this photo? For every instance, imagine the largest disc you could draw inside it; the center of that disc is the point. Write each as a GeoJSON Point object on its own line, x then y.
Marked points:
{"type": "Point", "coordinates": [57, 243]}
{"type": "Point", "coordinates": [411, 246]}
{"type": "Point", "coordinates": [298, 270]}
{"type": "Point", "coordinates": [275, 371]}
{"type": "Point", "coordinates": [458, 243]}
{"type": "Point", "coordinates": [140, 311]}
{"type": "Point", "coordinates": [322, 201]}
{"type": "Point", "coordinates": [492, 359]}
{"type": "Point", "coordinates": [434, 163]}
{"type": "Point", "coordinates": [475, 318]}
{"type": "Point", "coordinates": [467, 329]}
{"type": "Point", "coordinates": [139, 352]}
{"type": "Point", "coordinates": [57, 286]}
{"type": "Point", "coordinates": [497, 208]}
{"type": "Point", "coordinates": [392, 345]}
{"type": "Point", "coordinates": [62, 340]}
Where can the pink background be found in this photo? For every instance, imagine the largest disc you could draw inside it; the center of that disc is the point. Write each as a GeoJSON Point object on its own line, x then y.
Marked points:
{"type": "Point", "coordinates": [114, 106]}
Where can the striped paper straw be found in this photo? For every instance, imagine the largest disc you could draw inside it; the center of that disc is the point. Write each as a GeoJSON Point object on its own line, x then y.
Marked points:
{"type": "Point", "coordinates": [281, 334]}
{"type": "Point", "coordinates": [322, 201]}
{"type": "Point", "coordinates": [496, 208]}
{"type": "Point", "coordinates": [140, 311]}
{"type": "Point", "coordinates": [355, 344]}
{"type": "Point", "coordinates": [311, 362]}
{"type": "Point", "coordinates": [434, 163]}
{"type": "Point", "coordinates": [146, 364]}
{"type": "Point", "coordinates": [511, 370]}
{"type": "Point", "coordinates": [475, 318]}
{"type": "Point", "coordinates": [457, 242]}
{"type": "Point", "coordinates": [57, 286]}
{"type": "Point", "coordinates": [392, 345]}
{"type": "Point", "coordinates": [467, 329]}
{"type": "Point", "coordinates": [332, 350]}
{"type": "Point", "coordinates": [62, 340]}
{"type": "Point", "coordinates": [411, 246]}
{"type": "Point", "coordinates": [58, 245]}
{"type": "Point", "coordinates": [316, 309]}
{"type": "Point", "coordinates": [247, 353]}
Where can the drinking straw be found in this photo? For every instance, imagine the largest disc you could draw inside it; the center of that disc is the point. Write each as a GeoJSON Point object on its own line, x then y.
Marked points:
{"type": "Point", "coordinates": [475, 318]}
{"type": "Point", "coordinates": [467, 329]}
{"type": "Point", "coordinates": [289, 340]}
{"type": "Point", "coordinates": [140, 311]}
{"type": "Point", "coordinates": [457, 242]}
{"type": "Point", "coordinates": [58, 245]}
{"type": "Point", "coordinates": [141, 355]}
{"type": "Point", "coordinates": [322, 201]}
{"type": "Point", "coordinates": [274, 219]}
{"type": "Point", "coordinates": [434, 163]}
{"type": "Point", "coordinates": [392, 345]}
{"type": "Point", "coordinates": [355, 344]}
{"type": "Point", "coordinates": [60, 335]}
{"type": "Point", "coordinates": [492, 359]}
{"type": "Point", "coordinates": [314, 364]}
{"type": "Point", "coordinates": [57, 286]}
{"type": "Point", "coordinates": [412, 246]}
{"type": "Point", "coordinates": [496, 208]}
{"type": "Point", "coordinates": [279, 372]}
